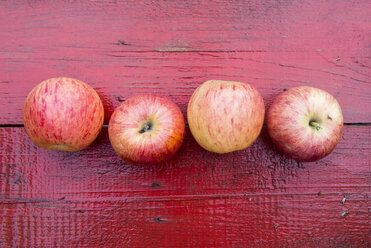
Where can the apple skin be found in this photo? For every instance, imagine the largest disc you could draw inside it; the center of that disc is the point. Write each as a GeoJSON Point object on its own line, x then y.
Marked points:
{"type": "Point", "coordinates": [225, 116]}
{"type": "Point", "coordinates": [305, 123]}
{"type": "Point", "coordinates": [63, 114]}
{"type": "Point", "coordinates": [139, 144]}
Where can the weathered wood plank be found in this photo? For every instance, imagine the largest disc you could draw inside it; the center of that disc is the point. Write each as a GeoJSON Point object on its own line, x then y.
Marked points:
{"type": "Point", "coordinates": [27, 28]}
{"type": "Point", "coordinates": [253, 198]}
{"type": "Point", "coordinates": [117, 76]}
{"type": "Point", "coordinates": [126, 47]}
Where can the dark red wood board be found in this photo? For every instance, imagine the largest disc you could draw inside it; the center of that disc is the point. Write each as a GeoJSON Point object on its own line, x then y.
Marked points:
{"type": "Point", "coordinates": [170, 47]}
{"type": "Point", "coordinates": [251, 198]}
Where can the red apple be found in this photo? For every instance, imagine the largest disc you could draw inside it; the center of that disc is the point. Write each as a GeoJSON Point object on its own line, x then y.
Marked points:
{"type": "Point", "coordinates": [225, 116]}
{"type": "Point", "coordinates": [63, 114]}
{"type": "Point", "coordinates": [146, 129]}
{"type": "Point", "coordinates": [305, 123]}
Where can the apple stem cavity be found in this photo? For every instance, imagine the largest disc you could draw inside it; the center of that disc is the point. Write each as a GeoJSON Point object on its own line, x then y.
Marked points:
{"type": "Point", "coordinates": [315, 125]}
{"type": "Point", "coordinates": [146, 126]}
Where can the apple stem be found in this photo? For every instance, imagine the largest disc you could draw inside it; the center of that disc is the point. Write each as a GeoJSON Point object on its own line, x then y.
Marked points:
{"type": "Point", "coordinates": [145, 127]}
{"type": "Point", "coordinates": [315, 125]}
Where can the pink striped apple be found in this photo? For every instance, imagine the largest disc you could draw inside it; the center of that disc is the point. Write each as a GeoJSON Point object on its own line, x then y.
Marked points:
{"type": "Point", "coordinates": [63, 114]}
{"type": "Point", "coordinates": [305, 123]}
{"type": "Point", "coordinates": [225, 116]}
{"type": "Point", "coordinates": [146, 129]}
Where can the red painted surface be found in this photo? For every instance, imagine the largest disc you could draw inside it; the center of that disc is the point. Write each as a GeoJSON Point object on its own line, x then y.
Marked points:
{"type": "Point", "coordinates": [252, 198]}
{"type": "Point", "coordinates": [170, 47]}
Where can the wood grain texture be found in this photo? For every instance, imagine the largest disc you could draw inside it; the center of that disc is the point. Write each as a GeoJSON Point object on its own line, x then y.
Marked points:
{"type": "Point", "coordinates": [123, 48]}
{"type": "Point", "coordinates": [250, 198]}
{"type": "Point", "coordinates": [146, 25]}
{"type": "Point", "coordinates": [176, 75]}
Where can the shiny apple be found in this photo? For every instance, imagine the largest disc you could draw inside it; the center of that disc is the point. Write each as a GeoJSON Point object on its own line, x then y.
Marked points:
{"type": "Point", "coordinates": [63, 114]}
{"type": "Point", "coordinates": [225, 116]}
{"type": "Point", "coordinates": [146, 129]}
{"type": "Point", "coordinates": [305, 123]}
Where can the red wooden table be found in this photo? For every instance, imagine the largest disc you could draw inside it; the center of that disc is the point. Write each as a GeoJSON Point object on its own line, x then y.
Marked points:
{"type": "Point", "coordinates": [251, 198]}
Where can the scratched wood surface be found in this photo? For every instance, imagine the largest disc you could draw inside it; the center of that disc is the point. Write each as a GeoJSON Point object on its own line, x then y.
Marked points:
{"type": "Point", "coordinates": [254, 197]}
{"type": "Point", "coordinates": [251, 198]}
{"type": "Point", "coordinates": [170, 47]}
